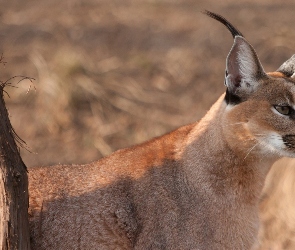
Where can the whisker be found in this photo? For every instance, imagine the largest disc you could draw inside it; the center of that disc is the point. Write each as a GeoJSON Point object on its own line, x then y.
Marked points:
{"type": "Point", "coordinates": [251, 150]}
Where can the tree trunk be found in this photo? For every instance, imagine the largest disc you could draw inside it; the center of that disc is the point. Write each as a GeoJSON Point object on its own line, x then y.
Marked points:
{"type": "Point", "coordinates": [14, 226]}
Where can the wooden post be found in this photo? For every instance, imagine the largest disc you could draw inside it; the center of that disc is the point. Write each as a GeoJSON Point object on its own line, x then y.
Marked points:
{"type": "Point", "coordinates": [14, 226]}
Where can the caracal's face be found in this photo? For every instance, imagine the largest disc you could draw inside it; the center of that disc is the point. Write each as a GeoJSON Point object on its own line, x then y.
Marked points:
{"type": "Point", "coordinates": [265, 122]}
{"type": "Point", "coordinates": [259, 118]}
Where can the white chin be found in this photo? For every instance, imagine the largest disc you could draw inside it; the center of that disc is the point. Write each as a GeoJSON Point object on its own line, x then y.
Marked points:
{"type": "Point", "coordinates": [274, 143]}
{"type": "Point", "coordinates": [280, 151]}
{"type": "Point", "coordinates": [287, 153]}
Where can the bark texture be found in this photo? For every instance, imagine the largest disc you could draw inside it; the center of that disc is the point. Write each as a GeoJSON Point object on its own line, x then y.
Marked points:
{"type": "Point", "coordinates": [14, 229]}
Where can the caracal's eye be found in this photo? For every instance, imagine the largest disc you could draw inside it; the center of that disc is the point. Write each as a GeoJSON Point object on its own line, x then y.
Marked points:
{"type": "Point", "coordinates": [284, 110]}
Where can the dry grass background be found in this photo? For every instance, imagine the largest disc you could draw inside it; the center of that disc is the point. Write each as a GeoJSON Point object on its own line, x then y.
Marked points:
{"type": "Point", "coordinates": [112, 73]}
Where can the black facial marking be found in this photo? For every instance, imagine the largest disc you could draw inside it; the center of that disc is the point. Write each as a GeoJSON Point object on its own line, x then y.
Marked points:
{"type": "Point", "coordinates": [231, 98]}
{"type": "Point", "coordinates": [289, 141]}
{"type": "Point", "coordinates": [286, 73]}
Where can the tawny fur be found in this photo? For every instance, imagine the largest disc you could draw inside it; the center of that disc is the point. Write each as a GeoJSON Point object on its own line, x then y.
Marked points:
{"type": "Point", "coordinates": [197, 187]}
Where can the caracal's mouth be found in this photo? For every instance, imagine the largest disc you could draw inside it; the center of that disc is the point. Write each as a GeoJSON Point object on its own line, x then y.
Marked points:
{"type": "Point", "coordinates": [282, 145]}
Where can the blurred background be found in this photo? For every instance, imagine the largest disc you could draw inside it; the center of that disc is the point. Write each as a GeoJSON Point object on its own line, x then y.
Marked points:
{"type": "Point", "coordinates": [113, 73]}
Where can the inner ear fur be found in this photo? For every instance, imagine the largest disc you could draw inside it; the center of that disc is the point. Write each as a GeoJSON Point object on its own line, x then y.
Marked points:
{"type": "Point", "coordinates": [243, 69]}
{"type": "Point", "coordinates": [288, 67]}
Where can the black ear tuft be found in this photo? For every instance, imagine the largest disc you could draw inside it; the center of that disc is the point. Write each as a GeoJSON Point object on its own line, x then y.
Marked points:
{"type": "Point", "coordinates": [234, 31]}
{"type": "Point", "coordinates": [243, 68]}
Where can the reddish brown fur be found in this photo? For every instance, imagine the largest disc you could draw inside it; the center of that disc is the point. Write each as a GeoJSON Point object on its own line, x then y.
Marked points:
{"type": "Point", "coordinates": [276, 74]}
{"type": "Point", "coordinates": [152, 195]}
{"type": "Point", "coordinates": [197, 187]}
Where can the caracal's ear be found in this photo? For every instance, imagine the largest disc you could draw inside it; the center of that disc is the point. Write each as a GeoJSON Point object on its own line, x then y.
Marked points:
{"type": "Point", "coordinates": [288, 67]}
{"type": "Point", "coordinates": [243, 68]}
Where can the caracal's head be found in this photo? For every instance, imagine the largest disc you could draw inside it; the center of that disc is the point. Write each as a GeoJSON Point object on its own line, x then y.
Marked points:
{"type": "Point", "coordinates": [259, 117]}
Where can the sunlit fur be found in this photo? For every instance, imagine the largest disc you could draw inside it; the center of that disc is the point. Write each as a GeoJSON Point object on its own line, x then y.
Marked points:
{"type": "Point", "coordinates": [197, 187]}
